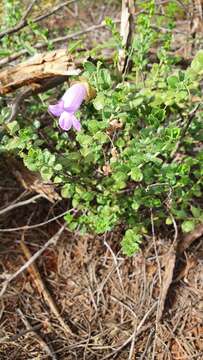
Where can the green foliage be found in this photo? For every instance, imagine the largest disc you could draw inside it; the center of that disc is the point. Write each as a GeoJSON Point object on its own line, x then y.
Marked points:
{"type": "Point", "coordinates": [138, 150]}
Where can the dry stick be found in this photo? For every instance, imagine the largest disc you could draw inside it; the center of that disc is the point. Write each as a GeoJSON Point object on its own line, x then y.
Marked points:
{"type": "Point", "coordinates": [47, 85]}
{"type": "Point", "coordinates": [42, 288]}
{"type": "Point", "coordinates": [28, 10]}
{"type": "Point", "coordinates": [188, 239]}
{"type": "Point", "coordinates": [20, 203]}
{"type": "Point", "coordinates": [160, 282]}
{"type": "Point", "coordinates": [20, 334]}
{"type": "Point", "coordinates": [26, 227]}
{"type": "Point", "coordinates": [43, 344]}
{"type": "Point", "coordinates": [24, 22]}
{"type": "Point", "coordinates": [168, 272]}
{"type": "Point", "coordinates": [116, 264]}
{"type": "Point", "coordinates": [52, 241]}
{"type": "Point", "coordinates": [39, 46]}
{"type": "Point", "coordinates": [135, 333]}
{"type": "Point", "coordinates": [126, 33]}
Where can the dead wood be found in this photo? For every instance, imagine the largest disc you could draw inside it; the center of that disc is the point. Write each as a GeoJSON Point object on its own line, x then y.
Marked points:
{"type": "Point", "coordinates": [189, 238]}
{"type": "Point", "coordinates": [166, 281]}
{"type": "Point", "coordinates": [38, 68]}
{"type": "Point", "coordinates": [126, 33]}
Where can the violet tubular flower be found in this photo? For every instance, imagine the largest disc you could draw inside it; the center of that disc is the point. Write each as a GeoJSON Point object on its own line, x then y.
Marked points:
{"type": "Point", "coordinates": [66, 107]}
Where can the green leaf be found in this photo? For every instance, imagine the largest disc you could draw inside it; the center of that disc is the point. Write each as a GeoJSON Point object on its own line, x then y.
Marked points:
{"type": "Point", "coordinates": [131, 242]}
{"type": "Point", "coordinates": [173, 81]}
{"type": "Point", "coordinates": [188, 225]}
{"type": "Point", "coordinates": [46, 173]}
{"type": "Point", "coordinates": [136, 174]}
{"type": "Point", "coordinates": [13, 127]}
{"type": "Point", "coordinates": [197, 63]}
{"type": "Point", "coordinates": [58, 167]}
{"type": "Point", "coordinates": [90, 67]}
{"type": "Point", "coordinates": [66, 191]}
{"type": "Point", "coordinates": [196, 211]}
{"type": "Point", "coordinates": [99, 102]}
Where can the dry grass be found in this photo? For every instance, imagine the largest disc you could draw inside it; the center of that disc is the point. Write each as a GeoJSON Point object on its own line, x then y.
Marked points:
{"type": "Point", "coordinates": [109, 301]}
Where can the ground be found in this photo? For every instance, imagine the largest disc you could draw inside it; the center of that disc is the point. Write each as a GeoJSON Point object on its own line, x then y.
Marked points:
{"type": "Point", "coordinates": [83, 299]}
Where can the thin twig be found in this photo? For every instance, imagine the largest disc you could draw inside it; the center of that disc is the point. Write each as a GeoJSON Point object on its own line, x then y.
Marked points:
{"type": "Point", "coordinates": [116, 263]}
{"type": "Point", "coordinates": [20, 203]}
{"type": "Point", "coordinates": [28, 10]}
{"type": "Point", "coordinates": [46, 85]}
{"type": "Point", "coordinates": [20, 334]}
{"type": "Point", "coordinates": [135, 333]}
{"type": "Point", "coordinates": [52, 241]}
{"type": "Point", "coordinates": [24, 22]}
{"type": "Point", "coordinates": [26, 227]}
{"type": "Point", "coordinates": [42, 288]}
{"type": "Point", "coordinates": [184, 130]}
{"type": "Point", "coordinates": [43, 344]}
{"type": "Point", "coordinates": [60, 39]}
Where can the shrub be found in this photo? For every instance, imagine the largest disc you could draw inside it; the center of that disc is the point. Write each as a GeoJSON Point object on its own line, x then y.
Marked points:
{"type": "Point", "coordinates": [139, 150]}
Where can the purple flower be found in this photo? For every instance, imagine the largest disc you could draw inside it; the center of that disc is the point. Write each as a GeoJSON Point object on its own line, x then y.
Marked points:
{"type": "Point", "coordinates": [68, 105]}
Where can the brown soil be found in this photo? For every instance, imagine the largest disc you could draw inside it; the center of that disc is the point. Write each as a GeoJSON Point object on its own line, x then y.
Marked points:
{"type": "Point", "coordinates": [111, 303]}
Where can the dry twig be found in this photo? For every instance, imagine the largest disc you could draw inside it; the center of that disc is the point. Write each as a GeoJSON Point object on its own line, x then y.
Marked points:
{"type": "Point", "coordinates": [52, 241]}
{"type": "Point", "coordinates": [42, 288]}
{"type": "Point", "coordinates": [139, 329]}
{"type": "Point", "coordinates": [60, 39]}
{"type": "Point", "coordinates": [43, 344]}
{"type": "Point", "coordinates": [26, 227]}
{"type": "Point", "coordinates": [20, 203]}
{"type": "Point", "coordinates": [24, 21]}
{"type": "Point", "coordinates": [188, 239]}
{"type": "Point", "coordinates": [126, 32]}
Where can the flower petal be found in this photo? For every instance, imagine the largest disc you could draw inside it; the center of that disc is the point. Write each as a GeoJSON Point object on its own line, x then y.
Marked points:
{"type": "Point", "coordinates": [56, 109]}
{"type": "Point", "coordinates": [76, 123]}
{"type": "Point", "coordinates": [74, 97]}
{"type": "Point", "coordinates": [65, 121]}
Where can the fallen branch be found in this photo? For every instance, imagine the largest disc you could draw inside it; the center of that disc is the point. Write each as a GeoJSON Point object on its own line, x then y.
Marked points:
{"type": "Point", "coordinates": [48, 84]}
{"type": "Point", "coordinates": [38, 69]}
{"type": "Point", "coordinates": [126, 33]}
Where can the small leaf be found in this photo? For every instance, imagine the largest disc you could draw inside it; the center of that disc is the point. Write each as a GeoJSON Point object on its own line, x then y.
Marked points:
{"type": "Point", "coordinates": [13, 127]}
{"type": "Point", "coordinates": [89, 67]}
{"type": "Point", "coordinates": [173, 81]}
{"type": "Point", "coordinates": [136, 174]}
{"type": "Point", "coordinates": [66, 191]}
{"type": "Point", "coordinates": [99, 102]}
{"type": "Point", "coordinates": [188, 225]}
{"type": "Point", "coordinates": [131, 242]}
